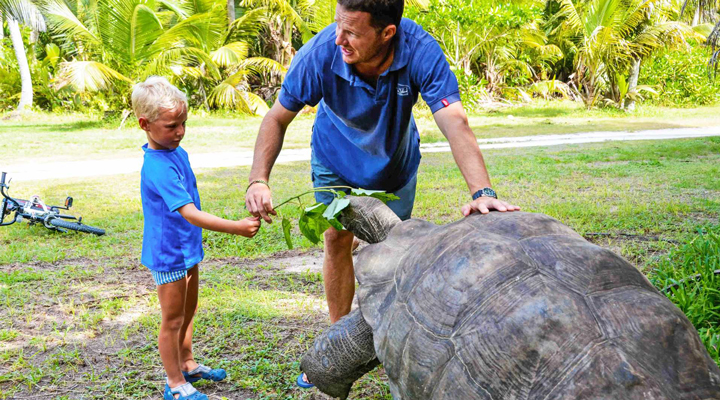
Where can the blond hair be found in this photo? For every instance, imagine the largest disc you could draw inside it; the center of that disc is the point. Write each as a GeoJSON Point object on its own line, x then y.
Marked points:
{"type": "Point", "coordinates": [155, 95]}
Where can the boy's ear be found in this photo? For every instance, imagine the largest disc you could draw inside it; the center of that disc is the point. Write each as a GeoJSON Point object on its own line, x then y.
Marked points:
{"type": "Point", "coordinates": [143, 122]}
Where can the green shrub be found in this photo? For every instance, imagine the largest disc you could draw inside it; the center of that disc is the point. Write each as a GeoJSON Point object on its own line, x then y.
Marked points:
{"type": "Point", "coordinates": [687, 277]}
{"type": "Point", "coordinates": [680, 78]}
{"type": "Point", "coordinates": [472, 90]}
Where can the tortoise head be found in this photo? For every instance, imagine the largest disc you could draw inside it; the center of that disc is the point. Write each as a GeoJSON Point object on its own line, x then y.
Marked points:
{"type": "Point", "coordinates": [368, 218]}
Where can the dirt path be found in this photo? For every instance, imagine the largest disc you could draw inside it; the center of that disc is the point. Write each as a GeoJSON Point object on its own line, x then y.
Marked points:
{"type": "Point", "coordinates": [92, 168]}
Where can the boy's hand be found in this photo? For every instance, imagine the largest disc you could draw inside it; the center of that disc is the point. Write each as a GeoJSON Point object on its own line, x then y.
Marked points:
{"type": "Point", "coordinates": [248, 227]}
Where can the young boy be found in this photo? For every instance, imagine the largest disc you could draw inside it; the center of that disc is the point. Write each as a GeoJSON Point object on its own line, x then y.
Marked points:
{"type": "Point", "coordinates": [172, 236]}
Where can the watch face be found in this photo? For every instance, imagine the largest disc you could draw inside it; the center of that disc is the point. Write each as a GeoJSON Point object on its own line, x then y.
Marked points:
{"type": "Point", "coordinates": [489, 192]}
{"type": "Point", "coordinates": [484, 192]}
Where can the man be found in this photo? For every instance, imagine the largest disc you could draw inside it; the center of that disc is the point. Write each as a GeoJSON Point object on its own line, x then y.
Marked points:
{"type": "Point", "coordinates": [365, 71]}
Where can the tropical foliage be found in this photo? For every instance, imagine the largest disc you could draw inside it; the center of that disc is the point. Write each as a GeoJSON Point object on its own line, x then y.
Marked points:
{"type": "Point", "coordinates": [233, 54]}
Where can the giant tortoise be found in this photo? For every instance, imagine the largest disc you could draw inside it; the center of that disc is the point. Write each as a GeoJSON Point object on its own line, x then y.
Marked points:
{"type": "Point", "coordinates": [505, 306]}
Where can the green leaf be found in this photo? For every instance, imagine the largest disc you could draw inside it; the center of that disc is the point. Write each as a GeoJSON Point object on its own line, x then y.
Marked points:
{"type": "Point", "coordinates": [312, 222]}
{"type": "Point", "coordinates": [378, 194]}
{"type": "Point", "coordinates": [334, 209]}
{"type": "Point", "coordinates": [286, 232]}
{"type": "Point", "coordinates": [336, 224]}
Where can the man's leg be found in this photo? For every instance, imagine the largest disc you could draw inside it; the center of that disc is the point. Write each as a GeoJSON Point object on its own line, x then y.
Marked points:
{"type": "Point", "coordinates": [338, 272]}
{"type": "Point", "coordinates": [172, 305]}
{"type": "Point", "coordinates": [191, 300]}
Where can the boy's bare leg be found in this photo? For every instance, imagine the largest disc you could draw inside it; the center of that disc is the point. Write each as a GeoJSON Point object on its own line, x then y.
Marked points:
{"type": "Point", "coordinates": [338, 272]}
{"type": "Point", "coordinates": [172, 305]}
{"type": "Point", "coordinates": [187, 362]}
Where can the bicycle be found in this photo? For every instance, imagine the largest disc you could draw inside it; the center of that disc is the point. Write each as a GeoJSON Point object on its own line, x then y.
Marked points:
{"type": "Point", "coordinates": [37, 212]}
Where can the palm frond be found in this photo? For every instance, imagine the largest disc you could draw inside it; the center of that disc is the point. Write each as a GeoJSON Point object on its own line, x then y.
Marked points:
{"type": "Point", "coordinates": [203, 31]}
{"type": "Point", "coordinates": [87, 76]}
{"type": "Point", "coordinates": [549, 87]}
{"type": "Point", "coordinates": [638, 14]}
{"type": "Point", "coordinates": [669, 35]}
{"type": "Point", "coordinates": [322, 14]}
{"type": "Point", "coordinates": [185, 71]}
{"type": "Point", "coordinates": [261, 65]}
{"type": "Point", "coordinates": [282, 8]}
{"type": "Point", "coordinates": [570, 15]}
{"type": "Point", "coordinates": [703, 30]}
{"type": "Point", "coordinates": [193, 7]}
{"type": "Point", "coordinates": [175, 7]}
{"type": "Point", "coordinates": [230, 54]}
{"type": "Point", "coordinates": [129, 27]}
{"type": "Point", "coordinates": [64, 22]}
{"type": "Point", "coordinates": [246, 27]}
{"type": "Point", "coordinates": [168, 59]}
{"type": "Point", "coordinates": [233, 93]}
{"type": "Point", "coordinates": [23, 11]}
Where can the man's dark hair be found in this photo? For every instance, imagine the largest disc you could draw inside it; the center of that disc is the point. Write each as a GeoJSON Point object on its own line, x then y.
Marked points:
{"type": "Point", "coordinates": [382, 12]}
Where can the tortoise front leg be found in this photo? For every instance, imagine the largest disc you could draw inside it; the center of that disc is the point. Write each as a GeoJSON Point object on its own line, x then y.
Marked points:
{"type": "Point", "coordinates": [340, 356]}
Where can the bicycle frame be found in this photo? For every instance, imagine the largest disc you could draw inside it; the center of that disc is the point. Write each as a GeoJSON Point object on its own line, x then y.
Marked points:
{"type": "Point", "coordinates": [34, 209]}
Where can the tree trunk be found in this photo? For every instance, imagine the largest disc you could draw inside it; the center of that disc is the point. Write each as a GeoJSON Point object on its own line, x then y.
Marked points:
{"type": "Point", "coordinates": [696, 17]}
{"type": "Point", "coordinates": [231, 11]}
{"type": "Point", "coordinates": [632, 86]}
{"type": "Point", "coordinates": [2, 30]}
{"type": "Point", "coordinates": [26, 96]}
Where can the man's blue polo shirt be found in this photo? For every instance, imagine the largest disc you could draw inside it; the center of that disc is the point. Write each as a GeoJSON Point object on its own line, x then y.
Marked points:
{"type": "Point", "coordinates": [367, 135]}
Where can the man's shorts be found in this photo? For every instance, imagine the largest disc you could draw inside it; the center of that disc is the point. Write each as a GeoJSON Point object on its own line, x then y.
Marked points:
{"type": "Point", "coordinates": [322, 176]}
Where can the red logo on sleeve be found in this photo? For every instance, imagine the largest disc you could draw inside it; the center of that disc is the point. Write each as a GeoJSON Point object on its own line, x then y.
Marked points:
{"type": "Point", "coordinates": [445, 102]}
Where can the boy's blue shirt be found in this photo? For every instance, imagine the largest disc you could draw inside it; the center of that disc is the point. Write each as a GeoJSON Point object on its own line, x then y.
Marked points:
{"type": "Point", "coordinates": [167, 182]}
{"type": "Point", "coordinates": [367, 135]}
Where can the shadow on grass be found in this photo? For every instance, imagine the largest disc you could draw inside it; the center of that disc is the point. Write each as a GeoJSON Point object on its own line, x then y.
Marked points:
{"type": "Point", "coordinates": [548, 127]}
{"type": "Point", "coordinates": [536, 112]}
{"type": "Point", "coordinates": [59, 127]}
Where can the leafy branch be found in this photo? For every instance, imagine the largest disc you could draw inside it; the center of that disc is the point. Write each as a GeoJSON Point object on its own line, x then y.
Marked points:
{"type": "Point", "coordinates": [317, 218]}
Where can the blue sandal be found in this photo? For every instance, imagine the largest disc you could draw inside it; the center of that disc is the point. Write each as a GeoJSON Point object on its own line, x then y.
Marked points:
{"type": "Point", "coordinates": [205, 373]}
{"type": "Point", "coordinates": [300, 382]}
{"type": "Point", "coordinates": [185, 391]}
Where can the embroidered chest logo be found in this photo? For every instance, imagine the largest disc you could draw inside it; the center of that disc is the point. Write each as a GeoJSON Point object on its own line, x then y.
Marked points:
{"type": "Point", "coordinates": [403, 90]}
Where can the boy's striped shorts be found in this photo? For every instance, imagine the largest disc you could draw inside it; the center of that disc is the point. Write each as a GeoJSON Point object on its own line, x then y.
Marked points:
{"type": "Point", "coordinates": [162, 278]}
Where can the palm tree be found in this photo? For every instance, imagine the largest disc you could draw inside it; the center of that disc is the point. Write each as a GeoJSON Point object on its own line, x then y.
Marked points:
{"type": "Point", "coordinates": [16, 12]}
{"type": "Point", "coordinates": [610, 38]}
{"type": "Point", "coordinates": [189, 40]}
{"type": "Point", "coordinates": [714, 41]}
{"type": "Point", "coordinates": [284, 19]}
{"type": "Point", "coordinates": [490, 38]}
{"type": "Point", "coordinates": [704, 10]}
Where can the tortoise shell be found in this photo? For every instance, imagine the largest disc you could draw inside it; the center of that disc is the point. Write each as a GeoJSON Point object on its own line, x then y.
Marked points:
{"type": "Point", "coordinates": [519, 306]}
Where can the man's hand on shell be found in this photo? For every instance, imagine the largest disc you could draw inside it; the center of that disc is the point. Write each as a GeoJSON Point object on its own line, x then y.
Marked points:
{"type": "Point", "coordinates": [258, 201]}
{"type": "Point", "coordinates": [483, 205]}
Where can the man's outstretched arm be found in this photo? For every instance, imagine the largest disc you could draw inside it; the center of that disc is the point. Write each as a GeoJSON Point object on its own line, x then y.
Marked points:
{"type": "Point", "coordinates": [453, 123]}
{"type": "Point", "coordinates": [258, 199]}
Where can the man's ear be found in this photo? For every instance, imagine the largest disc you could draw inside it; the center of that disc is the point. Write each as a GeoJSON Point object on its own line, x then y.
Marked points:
{"type": "Point", "coordinates": [388, 32]}
{"type": "Point", "coordinates": [143, 122]}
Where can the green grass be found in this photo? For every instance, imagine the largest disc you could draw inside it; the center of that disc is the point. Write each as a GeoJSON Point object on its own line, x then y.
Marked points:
{"type": "Point", "coordinates": [688, 277]}
{"type": "Point", "coordinates": [73, 137]}
{"type": "Point", "coordinates": [84, 316]}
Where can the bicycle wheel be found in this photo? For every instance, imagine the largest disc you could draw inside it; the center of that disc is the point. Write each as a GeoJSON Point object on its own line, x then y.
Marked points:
{"type": "Point", "coordinates": [61, 223]}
